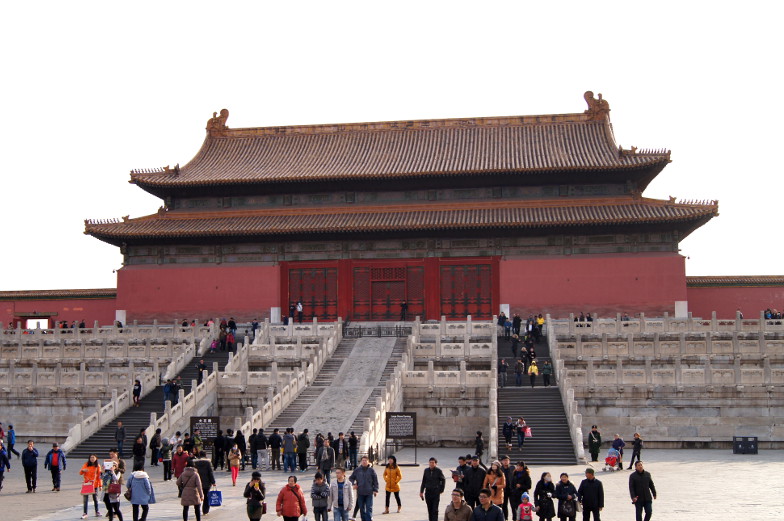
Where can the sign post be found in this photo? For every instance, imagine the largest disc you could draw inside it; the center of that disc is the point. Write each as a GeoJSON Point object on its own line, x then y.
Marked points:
{"type": "Point", "coordinates": [208, 427]}
{"type": "Point", "coordinates": [402, 426]}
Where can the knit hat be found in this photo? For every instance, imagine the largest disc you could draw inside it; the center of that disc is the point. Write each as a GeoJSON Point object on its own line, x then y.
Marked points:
{"type": "Point", "coordinates": [525, 495]}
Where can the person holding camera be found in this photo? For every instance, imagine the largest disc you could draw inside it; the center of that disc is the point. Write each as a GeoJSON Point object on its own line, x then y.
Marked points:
{"type": "Point", "coordinates": [543, 497]}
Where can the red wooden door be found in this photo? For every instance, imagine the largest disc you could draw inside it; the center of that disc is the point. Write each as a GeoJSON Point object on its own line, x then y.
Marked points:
{"type": "Point", "coordinates": [466, 290]}
{"type": "Point", "coordinates": [317, 288]}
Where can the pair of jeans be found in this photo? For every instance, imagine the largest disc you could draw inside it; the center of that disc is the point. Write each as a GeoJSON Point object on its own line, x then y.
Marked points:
{"type": "Point", "coordinates": [320, 513]}
{"type": "Point", "coordinates": [341, 514]}
{"type": "Point", "coordinates": [303, 460]}
{"type": "Point", "coordinates": [120, 448]}
{"type": "Point", "coordinates": [254, 458]}
{"type": "Point", "coordinates": [154, 458]}
{"type": "Point", "coordinates": [31, 477]}
{"type": "Point", "coordinates": [353, 453]}
{"type": "Point", "coordinates": [95, 502]}
{"type": "Point", "coordinates": [397, 498]}
{"type": "Point", "coordinates": [643, 505]}
{"type": "Point", "coordinates": [587, 514]}
{"type": "Point", "coordinates": [55, 477]}
{"type": "Point", "coordinates": [432, 498]}
{"type": "Point", "coordinates": [112, 508]}
{"type": "Point", "coordinates": [261, 459]}
{"type": "Point", "coordinates": [327, 475]}
{"type": "Point", "coordinates": [365, 504]}
{"type": "Point", "coordinates": [275, 459]}
{"type": "Point", "coordinates": [520, 439]}
{"type": "Point", "coordinates": [145, 509]}
{"type": "Point", "coordinates": [195, 509]}
{"type": "Point", "coordinates": [635, 454]}
{"type": "Point", "coordinates": [502, 380]}
{"type": "Point", "coordinates": [289, 462]}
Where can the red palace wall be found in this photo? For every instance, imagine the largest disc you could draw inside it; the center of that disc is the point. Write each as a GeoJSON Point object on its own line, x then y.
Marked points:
{"type": "Point", "coordinates": [605, 285]}
{"type": "Point", "coordinates": [725, 300]}
{"type": "Point", "coordinates": [89, 309]}
{"type": "Point", "coordinates": [169, 293]}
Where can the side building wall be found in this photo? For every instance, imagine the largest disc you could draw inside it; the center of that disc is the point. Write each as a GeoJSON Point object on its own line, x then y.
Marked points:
{"type": "Point", "coordinates": [169, 293]}
{"type": "Point", "coordinates": [600, 284]}
{"type": "Point", "coordinates": [56, 310]}
{"type": "Point", "coordinates": [726, 300]}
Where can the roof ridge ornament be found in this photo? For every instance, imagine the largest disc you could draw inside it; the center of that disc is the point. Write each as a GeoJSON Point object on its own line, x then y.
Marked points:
{"type": "Point", "coordinates": [217, 124]}
{"type": "Point", "coordinates": [598, 108]}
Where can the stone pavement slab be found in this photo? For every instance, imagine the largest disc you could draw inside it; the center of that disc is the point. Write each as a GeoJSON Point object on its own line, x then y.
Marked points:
{"type": "Point", "coordinates": [691, 484]}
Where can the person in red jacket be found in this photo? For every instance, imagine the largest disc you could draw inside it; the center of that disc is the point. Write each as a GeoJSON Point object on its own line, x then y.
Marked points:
{"type": "Point", "coordinates": [291, 501]}
{"type": "Point", "coordinates": [179, 460]}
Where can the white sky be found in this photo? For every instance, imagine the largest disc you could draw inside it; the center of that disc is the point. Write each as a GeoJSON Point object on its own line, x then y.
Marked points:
{"type": "Point", "coordinates": [94, 89]}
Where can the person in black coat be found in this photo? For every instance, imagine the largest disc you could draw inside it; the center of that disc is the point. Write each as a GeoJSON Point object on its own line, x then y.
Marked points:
{"type": "Point", "coordinates": [642, 491]}
{"type": "Point", "coordinates": [591, 496]}
{"type": "Point", "coordinates": [219, 450]}
{"type": "Point", "coordinates": [204, 469]}
{"type": "Point", "coordinates": [473, 479]}
{"type": "Point", "coordinates": [433, 483]}
{"type": "Point", "coordinates": [543, 497]}
{"type": "Point", "coordinates": [508, 470]}
{"type": "Point", "coordinates": [239, 439]}
{"type": "Point", "coordinates": [566, 493]}
{"type": "Point", "coordinates": [636, 449]}
{"type": "Point", "coordinates": [520, 483]}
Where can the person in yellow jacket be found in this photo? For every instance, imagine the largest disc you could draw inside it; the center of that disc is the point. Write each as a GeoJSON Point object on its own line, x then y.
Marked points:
{"type": "Point", "coordinates": [533, 370]}
{"type": "Point", "coordinates": [392, 476]}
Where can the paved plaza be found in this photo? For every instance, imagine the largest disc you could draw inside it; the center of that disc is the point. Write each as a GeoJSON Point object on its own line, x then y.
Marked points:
{"type": "Point", "coordinates": [692, 484]}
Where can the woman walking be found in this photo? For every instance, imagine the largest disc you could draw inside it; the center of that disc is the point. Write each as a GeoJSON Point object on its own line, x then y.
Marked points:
{"type": "Point", "coordinates": [255, 492]}
{"type": "Point", "coordinates": [235, 458]}
{"type": "Point", "coordinates": [91, 475]}
{"type": "Point", "coordinates": [137, 392]}
{"type": "Point", "coordinates": [636, 449]}
{"type": "Point", "coordinates": [495, 480]}
{"type": "Point", "coordinates": [392, 477]}
{"type": "Point", "coordinates": [166, 457]}
{"type": "Point", "coordinates": [566, 493]}
{"type": "Point", "coordinates": [111, 492]}
{"type": "Point", "coordinates": [142, 493]}
{"type": "Point", "coordinates": [543, 497]}
{"type": "Point", "coordinates": [189, 484]}
{"type": "Point", "coordinates": [291, 502]}
{"type": "Point", "coordinates": [139, 451]}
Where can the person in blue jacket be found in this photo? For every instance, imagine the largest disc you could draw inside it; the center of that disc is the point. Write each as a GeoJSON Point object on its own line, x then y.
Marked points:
{"type": "Point", "coordinates": [55, 462]}
{"type": "Point", "coordinates": [5, 464]}
{"type": "Point", "coordinates": [12, 441]}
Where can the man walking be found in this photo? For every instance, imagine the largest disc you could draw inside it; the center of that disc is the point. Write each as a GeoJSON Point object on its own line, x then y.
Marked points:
{"type": "Point", "coordinates": [55, 462]}
{"type": "Point", "coordinates": [458, 510]}
{"type": "Point", "coordinates": [487, 511]}
{"type": "Point", "coordinates": [303, 444]}
{"type": "Point", "coordinates": [12, 441]}
{"type": "Point", "coordinates": [119, 437]}
{"type": "Point", "coordinates": [508, 471]}
{"type": "Point", "coordinates": [473, 479]}
{"type": "Point", "coordinates": [341, 496]}
{"type": "Point", "coordinates": [325, 460]}
{"type": "Point", "coordinates": [432, 487]}
{"type": "Point", "coordinates": [591, 496]}
{"type": "Point", "coordinates": [642, 491]}
{"type": "Point", "coordinates": [204, 468]}
{"type": "Point", "coordinates": [30, 466]}
{"type": "Point", "coordinates": [365, 482]}
{"type": "Point", "coordinates": [201, 369]}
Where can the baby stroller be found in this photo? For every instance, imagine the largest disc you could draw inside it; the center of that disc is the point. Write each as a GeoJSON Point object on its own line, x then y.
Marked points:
{"type": "Point", "coordinates": [611, 461]}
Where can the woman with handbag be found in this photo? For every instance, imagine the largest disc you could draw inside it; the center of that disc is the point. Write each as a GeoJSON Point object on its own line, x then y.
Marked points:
{"type": "Point", "coordinates": [235, 458]}
{"type": "Point", "coordinates": [291, 501]}
{"type": "Point", "coordinates": [91, 474]}
{"type": "Point", "coordinates": [111, 492]}
{"type": "Point", "coordinates": [255, 493]}
{"type": "Point", "coordinates": [495, 480]}
{"type": "Point", "coordinates": [566, 493]}
{"type": "Point", "coordinates": [191, 490]}
{"type": "Point", "coordinates": [140, 493]}
{"type": "Point", "coordinates": [543, 498]}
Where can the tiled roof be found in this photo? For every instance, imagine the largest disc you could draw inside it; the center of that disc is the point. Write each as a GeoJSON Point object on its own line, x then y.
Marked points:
{"type": "Point", "coordinates": [403, 149]}
{"type": "Point", "coordinates": [58, 294]}
{"type": "Point", "coordinates": [735, 280]}
{"type": "Point", "coordinates": [433, 217]}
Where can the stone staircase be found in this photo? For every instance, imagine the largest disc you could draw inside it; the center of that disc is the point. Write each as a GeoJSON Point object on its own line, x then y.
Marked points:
{"type": "Point", "coordinates": [137, 418]}
{"type": "Point", "coordinates": [543, 411]}
{"type": "Point", "coordinates": [325, 377]}
{"type": "Point", "coordinates": [395, 357]}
